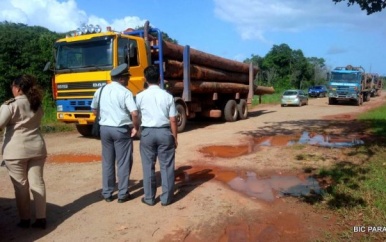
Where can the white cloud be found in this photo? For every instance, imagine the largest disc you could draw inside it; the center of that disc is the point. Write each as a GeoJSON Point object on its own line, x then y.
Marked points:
{"type": "Point", "coordinates": [127, 22]}
{"type": "Point", "coordinates": [253, 19]}
{"type": "Point", "coordinates": [59, 16]}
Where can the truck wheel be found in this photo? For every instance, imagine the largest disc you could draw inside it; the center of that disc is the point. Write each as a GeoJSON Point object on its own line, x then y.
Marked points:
{"type": "Point", "coordinates": [331, 101]}
{"type": "Point", "coordinates": [242, 109]}
{"type": "Point", "coordinates": [230, 111]}
{"type": "Point", "coordinates": [367, 97]}
{"type": "Point", "coordinates": [181, 117]}
{"type": "Point", "coordinates": [84, 130]}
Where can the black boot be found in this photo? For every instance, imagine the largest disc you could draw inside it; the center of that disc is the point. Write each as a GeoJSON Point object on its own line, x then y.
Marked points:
{"type": "Point", "coordinates": [24, 223]}
{"type": "Point", "coordinates": [39, 223]}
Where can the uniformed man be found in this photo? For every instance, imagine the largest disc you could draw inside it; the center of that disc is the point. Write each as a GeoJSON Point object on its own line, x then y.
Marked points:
{"type": "Point", "coordinates": [158, 137]}
{"type": "Point", "coordinates": [117, 131]}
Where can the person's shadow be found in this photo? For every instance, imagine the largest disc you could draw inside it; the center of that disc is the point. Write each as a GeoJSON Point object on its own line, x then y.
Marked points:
{"type": "Point", "coordinates": [186, 179]}
{"type": "Point", "coordinates": [55, 216]}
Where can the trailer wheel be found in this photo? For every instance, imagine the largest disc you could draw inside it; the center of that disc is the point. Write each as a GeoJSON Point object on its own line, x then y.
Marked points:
{"type": "Point", "coordinates": [230, 111]}
{"type": "Point", "coordinates": [242, 109]}
{"type": "Point", "coordinates": [84, 130]}
{"type": "Point", "coordinates": [181, 117]}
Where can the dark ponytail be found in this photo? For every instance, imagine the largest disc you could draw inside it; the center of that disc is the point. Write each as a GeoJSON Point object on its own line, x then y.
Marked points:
{"type": "Point", "coordinates": [28, 85]}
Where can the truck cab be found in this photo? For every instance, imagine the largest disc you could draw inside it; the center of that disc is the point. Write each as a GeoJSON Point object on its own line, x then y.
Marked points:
{"type": "Point", "coordinates": [83, 63]}
{"type": "Point", "coordinates": [348, 84]}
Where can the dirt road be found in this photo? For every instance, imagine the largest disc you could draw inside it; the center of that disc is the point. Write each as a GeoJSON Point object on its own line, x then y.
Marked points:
{"type": "Point", "coordinates": [232, 181]}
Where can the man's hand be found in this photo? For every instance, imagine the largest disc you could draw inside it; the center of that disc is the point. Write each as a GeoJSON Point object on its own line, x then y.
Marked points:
{"type": "Point", "coordinates": [134, 132]}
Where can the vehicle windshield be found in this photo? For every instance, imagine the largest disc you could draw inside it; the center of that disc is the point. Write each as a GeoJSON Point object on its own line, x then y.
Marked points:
{"type": "Point", "coordinates": [318, 87]}
{"type": "Point", "coordinates": [290, 93]}
{"type": "Point", "coordinates": [92, 54]}
{"type": "Point", "coordinates": [345, 77]}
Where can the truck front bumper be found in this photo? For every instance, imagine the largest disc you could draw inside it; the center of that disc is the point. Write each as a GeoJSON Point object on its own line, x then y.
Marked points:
{"type": "Point", "coordinates": [343, 96]}
{"type": "Point", "coordinates": [72, 117]}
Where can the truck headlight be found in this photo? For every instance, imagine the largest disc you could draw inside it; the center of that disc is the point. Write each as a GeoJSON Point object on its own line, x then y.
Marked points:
{"type": "Point", "coordinates": [59, 108]}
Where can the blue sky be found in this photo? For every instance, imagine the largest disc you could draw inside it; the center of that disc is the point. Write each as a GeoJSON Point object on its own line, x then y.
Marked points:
{"type": "Point", "coordinates": [233, 29]}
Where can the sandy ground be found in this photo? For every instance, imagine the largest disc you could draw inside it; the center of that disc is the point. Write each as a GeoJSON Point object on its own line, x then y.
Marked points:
{"type": "Point", "coordinates": [231, 179]}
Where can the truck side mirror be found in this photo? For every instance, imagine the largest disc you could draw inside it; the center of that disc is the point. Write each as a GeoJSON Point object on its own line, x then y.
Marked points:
{"type": "Point", "coordinates": [47, 66]}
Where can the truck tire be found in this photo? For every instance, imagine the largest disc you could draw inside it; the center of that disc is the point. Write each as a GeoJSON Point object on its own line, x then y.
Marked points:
{"type": "Point", "coordinates": [230, 111]}
{"type": "Point", "coordinates": [331, 101]}
{"type": "Point", "coordinates": [84, 130]}
{"type": "Point", "coordinates": [181, 117]}
{"type": "Point", "coordinates": [242, 109]}
{"type": "Point", "coordinates": [359, 101]}
{"type": "Point", "coordinates": [367, 97]}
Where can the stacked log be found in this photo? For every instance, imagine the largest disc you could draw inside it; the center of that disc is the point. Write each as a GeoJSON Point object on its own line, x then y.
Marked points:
{"type": "Point", "coordinates": [223, 87]}
{"type": "Point", "coordinates": [174, 51]}
{"type": "Point", "coordinates": [209, 73]}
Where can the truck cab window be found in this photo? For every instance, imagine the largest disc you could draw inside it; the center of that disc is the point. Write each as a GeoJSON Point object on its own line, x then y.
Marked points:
{"type": "Point", "coordinates": [95, 53]}
{"type": "Point", "coordinates": [123, 45]}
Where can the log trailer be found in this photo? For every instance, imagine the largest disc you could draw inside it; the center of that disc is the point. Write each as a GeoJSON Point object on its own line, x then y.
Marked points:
{"type": "Point", "coordinates": [202, 84]}
{"type": "Point", "coordinates": [377, 85]}
{"type": "Point", "coordinates": [349, 83]}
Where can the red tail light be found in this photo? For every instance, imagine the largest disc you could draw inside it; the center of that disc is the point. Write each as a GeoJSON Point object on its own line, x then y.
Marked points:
{"type": "Point", "coordinates": [54, 89]}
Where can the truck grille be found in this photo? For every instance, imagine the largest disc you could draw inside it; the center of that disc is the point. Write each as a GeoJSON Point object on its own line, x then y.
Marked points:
{"type": "Point", "coordinates": [78, 89]}
{"type": "Point", "coordinates": [77, 94]}
{"type": "Point", "coordinates": [80, 85]}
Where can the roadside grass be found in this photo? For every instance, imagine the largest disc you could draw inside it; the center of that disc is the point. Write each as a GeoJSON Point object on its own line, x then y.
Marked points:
{"type": "Point", "coordinates": [376, 119]}
{"type": "Point", "coordinates": [267, 99]}
{"type": "Point", "coordinates": [49, 122]}
{"type": "Point", "coordinates": [358, 192]}
{"type": "Point", "coordinates": [274, 98]}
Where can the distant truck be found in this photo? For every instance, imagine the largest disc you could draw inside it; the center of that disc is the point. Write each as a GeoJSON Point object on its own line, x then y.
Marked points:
{"type": "Point", "coordinates": [377, 85]}
{"type": "Point", "coordinates": [202, 84]}
{"type": "Point", "coordinates": [349, 83]}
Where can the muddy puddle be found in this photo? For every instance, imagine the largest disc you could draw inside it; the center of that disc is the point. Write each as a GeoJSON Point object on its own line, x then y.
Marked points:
{"type": "Point", "coordinates": [248, 183]}
{"type": "Point", "coordinates": [305, 138]}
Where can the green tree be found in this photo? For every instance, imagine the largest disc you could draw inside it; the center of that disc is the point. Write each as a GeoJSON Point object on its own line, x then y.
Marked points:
{"type": "Point", "coordinates": [286, 68]}
{"type": "Point", "coordinates": [301, 70]}
{"type": "Point", "coordinates": [257, 61]}
{"type": "Point", "coordinates": [370, 7]}
{"type": "Point", "coordinates": [319, 70]}
{"type": "Point", "coordinates": [24, 49]}
{"type": "Point", "coordinates": [279, 59]}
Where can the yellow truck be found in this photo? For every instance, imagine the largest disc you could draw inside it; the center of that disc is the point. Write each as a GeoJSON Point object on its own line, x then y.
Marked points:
{"type": "Point", "coordinates": [202, 84]}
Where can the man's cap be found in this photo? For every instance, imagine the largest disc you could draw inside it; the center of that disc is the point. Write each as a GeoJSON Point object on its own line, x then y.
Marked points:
{"type": "Point", "coordinates": [120, 70]}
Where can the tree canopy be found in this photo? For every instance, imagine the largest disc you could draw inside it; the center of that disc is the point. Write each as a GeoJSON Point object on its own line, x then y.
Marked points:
{"type": "Point", "coordinates": [283, 67]}
{"type": "Point", "coordinates": [370, 7]}
{"type": "Point", "coordinates": [24, 50]}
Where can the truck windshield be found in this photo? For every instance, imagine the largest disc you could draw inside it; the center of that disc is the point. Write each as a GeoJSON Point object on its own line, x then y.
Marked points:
{"type": "Point", "coordinates": [345, 77]}
{"type": "Point", "coordinates": [87, 55]}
